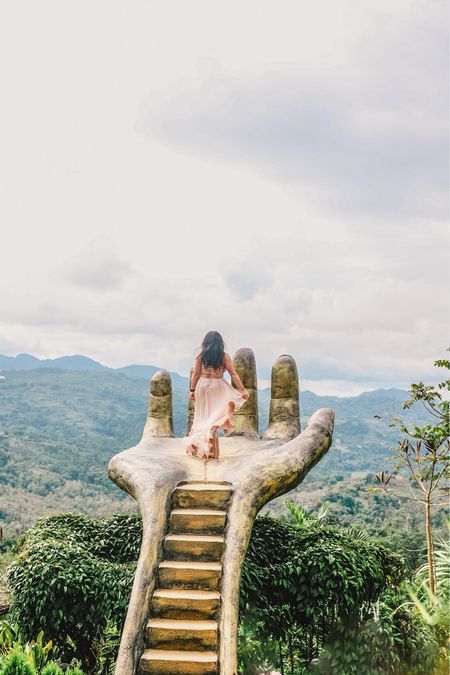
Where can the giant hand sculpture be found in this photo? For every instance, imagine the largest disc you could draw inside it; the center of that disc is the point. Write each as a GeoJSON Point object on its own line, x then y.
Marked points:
{"type": "Point", "coordinates": [197, 520]}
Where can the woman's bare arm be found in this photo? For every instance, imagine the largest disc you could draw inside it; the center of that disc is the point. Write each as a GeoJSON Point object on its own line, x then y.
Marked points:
{"type": "Point", "coordinates": [196, 373]}
{"type": "Point", "coordinates": [233, 374]}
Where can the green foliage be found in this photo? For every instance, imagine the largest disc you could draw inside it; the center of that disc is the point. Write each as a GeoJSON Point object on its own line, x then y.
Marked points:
{"type": "Point", "coordinates": [331, 592]}
{"type": "Point", "coordinates": [63, 428]}
{"type": "Point", "coordinates": [52, 669]}
{"type": "Point", "coordinates": [38, 651]}
{"type": "Point", "coordinates": [255, 655]}
{"type": "Point", "coordinates": [427, 459]}
{"type": "Point", "coordinates": [38, 654]}
{"type": "Point", "coordinates": [431, 395]}
{"type": "Point", "coordinates": [6, 554]}
{"type": "Point", "coordinates": [380, 634]}
{"type": "Point", "coordinates": [391, 642]}
{"type": "Point", "coordinates": [16, 663]}
{"type": "Point", "coordinates": [311, 577]}
{"type": "Point", "coordinates": [303, 518]}
{"type": "Point", "coordinates": [65, 425]}
{"type": "Point", "coordinates": [433, 608]}
{"type": "Point", "coordinates": [9, 637]}
{"type": "Point", "coordinates": [107, 650]}
{"type": "Point", "coordinates": [104, 538]}
{"type": "Point", "coordinates": [304, 589]}
{"type": "Point", "coordinates": [441, 566]}
{"type": "Point", "coordinates": [72, 575]}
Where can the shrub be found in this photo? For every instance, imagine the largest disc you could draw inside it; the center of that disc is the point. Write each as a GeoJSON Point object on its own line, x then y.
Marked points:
{"type": "Point", "coordinates": [16, 663]}
{"type": "Point", "coordinates": [52, 669]}
{"type": "Point", "coordinates": [306, 587]}
{"type": "Point", "coordinates": [312, 576]}
{"type": "Point", "coordinates": [37, 651]}
{"type": "Point", "coordinates": [392, 642]}
{"type": "Point", "coordinates": [72, 575]}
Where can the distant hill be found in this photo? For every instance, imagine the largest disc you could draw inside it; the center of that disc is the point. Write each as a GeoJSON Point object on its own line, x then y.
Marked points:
{"type": "Point", "coordinates": [29, 362]}
{"type": "Point", "coordinates": [63, 426]}
{"type": "Point", "coordinates": [83, 363]}
{"type": "Point", "coordinates": [147, 372]}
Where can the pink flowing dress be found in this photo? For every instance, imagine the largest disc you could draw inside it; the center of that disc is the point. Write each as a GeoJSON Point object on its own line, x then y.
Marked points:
{"type": "Point", "coordinates": [212, 395]}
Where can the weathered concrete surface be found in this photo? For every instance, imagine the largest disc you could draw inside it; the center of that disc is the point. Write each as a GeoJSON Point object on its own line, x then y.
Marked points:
{"type": "Point", "coordinates": [159, 414]}
{"type": "Point", "coordinates": [258, 470]}
{"type": "Point", "coordinates": [284, 414]}
{"type": "Point", "coordinates": [246, 418]}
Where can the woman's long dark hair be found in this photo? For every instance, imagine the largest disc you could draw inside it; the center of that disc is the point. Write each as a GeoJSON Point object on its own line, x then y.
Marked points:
{"type": "Point", "coordinates": [212, 351]}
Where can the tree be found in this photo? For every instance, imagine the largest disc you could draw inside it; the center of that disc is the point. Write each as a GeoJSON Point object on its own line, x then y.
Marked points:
{"type": "Point", "coordinates": [424, 453]}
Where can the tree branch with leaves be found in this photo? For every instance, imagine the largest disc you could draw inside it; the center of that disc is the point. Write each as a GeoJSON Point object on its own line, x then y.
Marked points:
{"type": "Point", "coordinates": [424, 453]}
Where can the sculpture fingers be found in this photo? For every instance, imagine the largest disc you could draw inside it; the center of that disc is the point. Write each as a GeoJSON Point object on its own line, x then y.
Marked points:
{"type": "Point", "coordinates": [284, 413]}
{"type": "Point", "coordinates": [277, 469]}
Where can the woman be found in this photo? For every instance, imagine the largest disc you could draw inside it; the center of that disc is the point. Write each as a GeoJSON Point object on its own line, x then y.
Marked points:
{"type": "Point", "coordinates": [215, 399]}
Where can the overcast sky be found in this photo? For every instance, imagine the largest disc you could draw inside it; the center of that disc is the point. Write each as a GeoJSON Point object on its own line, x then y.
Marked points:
{"type": "Point", "coordinates": [276, 171]}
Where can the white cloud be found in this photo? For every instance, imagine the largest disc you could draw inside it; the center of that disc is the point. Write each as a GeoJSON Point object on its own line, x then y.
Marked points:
{"type": "Point", "coordinates": [365, 137]}
{"type": "Point", "coordinates": [288, 189]}
{"type": "Point", "coordinates": [97, 266]}
{"type": "Point", "coordinates": [364, 326]}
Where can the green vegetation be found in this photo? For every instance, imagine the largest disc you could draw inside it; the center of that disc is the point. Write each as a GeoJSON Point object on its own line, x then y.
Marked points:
{"type": "Point", "coordinates": [301, 581]}
{"type": "Point", "coordinates": [314, 628]}
{"type": "Point", "coordinates": [337, 583]}
{"type": "Point", "coordinates": [19, 656]}
{"type": "Point", "coordinates": [72, 576]}
{"type": "Point", "coordinates": [426, 457]}
{"type": "Point", "coordinates": [307, 585]}
{"type": "Point", "coordinates": [64, 426]}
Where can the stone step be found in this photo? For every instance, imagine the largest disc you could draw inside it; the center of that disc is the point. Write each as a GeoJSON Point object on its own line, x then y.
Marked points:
{"type": "Point", "coordinates": [202, 547]}
{"type": "Point", "coordinates": [206, 521]}
{"type": "Point", "coordinates": [184, 604]}
{"type": "Point", "coordinates": [178, 634]}
{"type": "Point", "coordinates": [171, 662]}
{"type": "Point", "coordinates": [189, 574]}
{"type": "Point", "coordinates": [201, 495]}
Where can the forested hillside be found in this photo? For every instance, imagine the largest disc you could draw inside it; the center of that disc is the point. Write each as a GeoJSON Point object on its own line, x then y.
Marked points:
{"type": "Point", "coordinates": [64, 425]}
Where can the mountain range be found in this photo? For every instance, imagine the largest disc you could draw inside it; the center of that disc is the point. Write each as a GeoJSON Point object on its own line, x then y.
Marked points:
{"type": "Point", "coordinates": [78, 362]}
{"type": "Point", "coordinates": [83, 363]}
{"type": "Point", "coordinates": [61, 420]}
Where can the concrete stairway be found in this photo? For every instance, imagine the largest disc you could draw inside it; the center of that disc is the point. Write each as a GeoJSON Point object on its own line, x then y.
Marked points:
{"type": "Point", "coordinates": [181, 636]}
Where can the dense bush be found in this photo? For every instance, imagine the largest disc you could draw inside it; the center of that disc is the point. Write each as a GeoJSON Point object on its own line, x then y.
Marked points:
{"type": "Point", "coordinates": [312, 576]}
{"type": "Point", "coordinates": [308, 591]}
{"type": "Point", "coordinates": [72, 575]}
{"type": "Point", "coordinates": [394, 641]}
{"type": "Point", "coordinates": [334, 600]}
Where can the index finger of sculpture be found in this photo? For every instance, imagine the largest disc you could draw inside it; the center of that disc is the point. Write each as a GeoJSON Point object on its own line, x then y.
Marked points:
{"type": "Point", "coordinates": [246, 418]}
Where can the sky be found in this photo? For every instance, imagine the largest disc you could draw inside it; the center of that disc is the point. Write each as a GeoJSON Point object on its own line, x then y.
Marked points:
{"type": "Point", "coordinates": [276, 171]}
